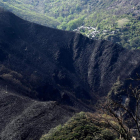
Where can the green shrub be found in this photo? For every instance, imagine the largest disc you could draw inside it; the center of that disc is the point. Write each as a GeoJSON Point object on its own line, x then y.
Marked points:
{"type": "Point", "coordinates": [80, 127]}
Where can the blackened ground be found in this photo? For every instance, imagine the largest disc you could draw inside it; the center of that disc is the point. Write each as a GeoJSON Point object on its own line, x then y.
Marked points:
{"type": "Point", "coordinates": [24, 119]}
{"type": "Point", "coordinates": [38, 64]}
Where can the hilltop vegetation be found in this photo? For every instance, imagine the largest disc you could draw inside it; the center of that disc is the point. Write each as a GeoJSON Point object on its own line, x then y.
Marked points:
{"type": "Point", "coordinates": [110, 15]}
{"type": "Point", "coordinates": [82, 126]}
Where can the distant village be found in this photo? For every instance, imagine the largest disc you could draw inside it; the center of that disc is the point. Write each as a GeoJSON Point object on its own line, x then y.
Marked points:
{"type": "Point", "coordinates": [91, 32]}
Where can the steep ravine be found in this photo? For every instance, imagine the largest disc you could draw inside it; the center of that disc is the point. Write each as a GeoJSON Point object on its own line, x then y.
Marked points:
{"type": "Point", "coordinates": [47, 71]}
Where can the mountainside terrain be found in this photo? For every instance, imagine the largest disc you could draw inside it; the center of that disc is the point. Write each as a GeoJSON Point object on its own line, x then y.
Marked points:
{"type": "Point", "coordinates": [47, 74]}
{"type": "Point", "coordinates": [115, 20]}
{"type": "Point", "coordinates": [24, 119]}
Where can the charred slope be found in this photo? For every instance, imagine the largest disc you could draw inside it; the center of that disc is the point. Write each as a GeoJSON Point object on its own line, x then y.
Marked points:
{"type": "Point", "coordinates": [24, 119]}
{"type": "Point", "coordinates": [52, 65]}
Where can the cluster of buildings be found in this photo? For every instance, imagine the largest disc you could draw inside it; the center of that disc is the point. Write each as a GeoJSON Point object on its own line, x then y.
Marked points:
{"type": "Point", "coordinates": [91, 32]}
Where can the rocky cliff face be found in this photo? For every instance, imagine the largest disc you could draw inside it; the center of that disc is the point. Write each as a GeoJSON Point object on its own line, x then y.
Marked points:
{"type": "Point", "coordinates": [43, 64]}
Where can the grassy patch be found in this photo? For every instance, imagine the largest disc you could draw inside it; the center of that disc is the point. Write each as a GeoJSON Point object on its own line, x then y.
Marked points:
{"type": "Point", "coordinates": [122, 22]}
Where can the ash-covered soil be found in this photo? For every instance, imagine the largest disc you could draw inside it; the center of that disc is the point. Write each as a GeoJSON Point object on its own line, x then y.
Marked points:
{"type": "Point", "coordinates": [24, 119]}
{"type": "Point", "coordinates": [47, 74]}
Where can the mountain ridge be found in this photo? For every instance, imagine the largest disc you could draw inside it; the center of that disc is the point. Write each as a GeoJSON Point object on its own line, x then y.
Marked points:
{"type": "Point", "coordinates": [115, 20]}
{"type": "Point", "coordinates": [49, 67]}
{"type": "Point", "coordinates": [73, 53]}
